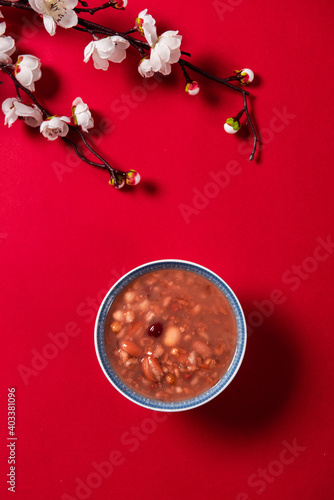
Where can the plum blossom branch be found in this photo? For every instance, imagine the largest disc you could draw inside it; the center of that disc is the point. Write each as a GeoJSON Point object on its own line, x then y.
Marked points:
{"type": "Point", "coordinates": [223, 81]}
{"type": "Point", "coordinates": [146, 25]}
{"type": "Point", "coordinates": [157, 52]}
{"type": "Point", "coordinates": [106, 5]}
{"type": "Point", "coordinates": [117, 177]}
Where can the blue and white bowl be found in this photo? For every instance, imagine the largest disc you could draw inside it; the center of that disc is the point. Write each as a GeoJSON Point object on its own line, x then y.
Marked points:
{"type": "Point", "coordinates": [154, 404]}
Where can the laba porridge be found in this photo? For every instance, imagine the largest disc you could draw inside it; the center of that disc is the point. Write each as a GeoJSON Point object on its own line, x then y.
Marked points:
{"type": "Point", "coordinates": [170, 335]}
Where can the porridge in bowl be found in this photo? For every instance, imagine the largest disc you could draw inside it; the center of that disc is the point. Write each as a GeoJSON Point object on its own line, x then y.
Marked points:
{"type": "Point", "coordinates": [170, 335]}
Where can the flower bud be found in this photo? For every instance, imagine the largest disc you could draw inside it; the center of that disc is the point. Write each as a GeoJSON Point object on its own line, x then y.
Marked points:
{"type": "Point", "coordinates": [120, 4]}
{"type": "Point", "coordinates": [245, 75]}
{"type": "Point", "coordinates": [192, 88]}
{"type": "Point", "coordinates": [132, 178]}
{"type": "Point", "coordinates": [120, 181]}
{"type": "Point", "coordinates": [139, 24]}
{"type": "Point", "coordinates": [231, 126]}
{"type": "Point", "coordinates": [28, 71]}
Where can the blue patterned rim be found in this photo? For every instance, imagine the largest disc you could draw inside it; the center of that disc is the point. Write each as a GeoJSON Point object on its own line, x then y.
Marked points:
{"type": "Point", "coordinates": [154, 404]}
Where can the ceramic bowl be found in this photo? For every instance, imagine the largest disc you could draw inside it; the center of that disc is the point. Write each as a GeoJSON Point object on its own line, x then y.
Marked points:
{"type": "Point", "coordinates": [154, 404]}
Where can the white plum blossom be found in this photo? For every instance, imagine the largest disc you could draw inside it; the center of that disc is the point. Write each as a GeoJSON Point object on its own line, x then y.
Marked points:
{"type": "Point", "coordinates": [81, 114]}
{"type": "Point", "coordinates": [28, 71]}
{"type": "Point", "coordinates": [54, 127]}
{"type": "Point", "coordinates": [146, 26]}
{"type": "Point", "coordinates": [7, 46]}
{"type": "Point", "coordinates": [13, 109]}
{"type": "Point", "coordinates": [145, 68]}
{"type": "Point", "coordinates": [165, 49]}
{"type": "Point", "coordinates": [9, 111]}
{"type": "Point", "coordinates": [56, 12]}
{"type": "Point", "coordinates": [110, 48]}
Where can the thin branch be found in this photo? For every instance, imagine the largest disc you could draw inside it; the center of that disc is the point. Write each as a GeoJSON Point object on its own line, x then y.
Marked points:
{"type": "Point", "coordinates": [95, 9]}
{"type": "Point", "coordinates": [223, 81]}
{"type": "Point", "coordinates": [252, 128]}
{"type": "Point", "coordinates": [185, 73]}
{"type": "Point", "coordinates": [82, 157]}
{"type": "Point", "coordinates": [17, 5]}
{"type": "Point", "coordinates": [18, 85]}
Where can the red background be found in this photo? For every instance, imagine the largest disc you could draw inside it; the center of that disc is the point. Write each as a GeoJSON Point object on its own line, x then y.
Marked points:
{"type": "Point", "coordinates": [65, 240]}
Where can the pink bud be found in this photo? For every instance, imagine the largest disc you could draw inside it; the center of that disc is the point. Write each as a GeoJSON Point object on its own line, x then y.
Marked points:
{"type": "Point", "coordinates": [192, 88]}
{"type": "Point", "coordinates": [120, 4]}
{"type": "Point", "coordinates": [120, 182]}
{"type": "Point", "coordinates": [132, 178]}
{"type": "Point", "coordinates": [245, 75]}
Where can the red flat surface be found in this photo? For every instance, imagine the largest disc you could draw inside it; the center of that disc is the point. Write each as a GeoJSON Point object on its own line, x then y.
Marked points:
{"type": "Point", "coordinates": [267, 229]}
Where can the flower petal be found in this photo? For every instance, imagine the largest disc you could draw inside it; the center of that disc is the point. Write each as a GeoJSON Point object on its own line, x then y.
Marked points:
{"type": "Point", "coordinates": [64, 130]}
{"type": "Point", "coordinates": [35, 6]}
{"type": "Point", "coordinates": [104, 47]}
{"type": "Point", "coordinates": [166, 69]}
{"type": "Point", "coordinates": [81, 108]}
{"type": "Point", "coordinates": [172, 39]}
{"type": "Point", "coordinates": [10, 118]}
{"type": "Point", "coordinates": [155, 61]}
{"type": "Point", "coordinates": [77, 101]}
{"type": "Point", "coordinates": [118, 56]}
{"type": "Point", "coordinates": [174, 56]}
{"type": "Point", "coordinates": [4, 59]}
{"type": "Point", "coordinates": [150, 33]}
{"type": "Point", "coordinates": [120, 41]}
{"type": "Point", "coordinates": [142, 13]}
{"type": "Point", "coordinates": [69, 19]}
{"type": "Point", "coordinates": [170, 33]}
{"type": "Point", "coordinates": [163, 51]}
{"type": "Point", "coordinates": [23, 109]}
{"type": "Point", "coordinates": [100, 63]}
{"type": "Point", "coordinates": [65, 119]}
{"type": "Point", "coordinates": [49, 25]}
{"type": "Point", "coordinates": [71, 4]}
{"type": "Point", "coordinates": [25, 77]}
{"type": "Point", "coordinates": [89, 49]}
{"type": "Point", "coordinates": [33, 121]}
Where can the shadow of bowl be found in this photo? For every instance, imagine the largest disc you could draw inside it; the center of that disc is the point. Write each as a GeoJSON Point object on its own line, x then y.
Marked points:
{"type": "Point", "coordinates": [263, 385]}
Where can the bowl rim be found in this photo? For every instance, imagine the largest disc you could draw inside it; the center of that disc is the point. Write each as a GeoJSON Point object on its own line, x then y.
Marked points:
{"type": "Point", "coordinates": [116, 381]}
